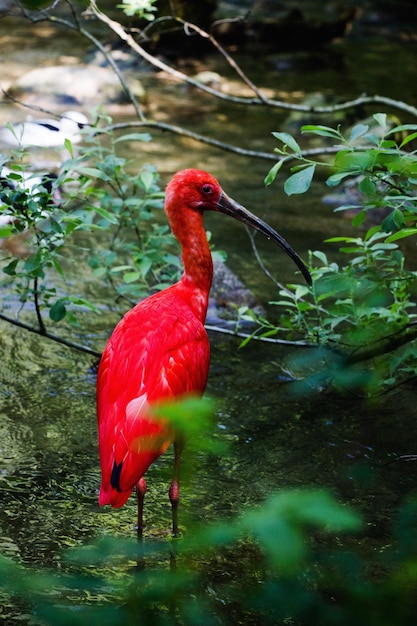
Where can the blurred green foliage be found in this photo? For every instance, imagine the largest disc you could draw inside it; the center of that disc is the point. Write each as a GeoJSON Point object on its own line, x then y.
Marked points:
{"type": "Point", "coordinates": [140, 8]}
{"type": "Point", "coordinates": [295, 559]}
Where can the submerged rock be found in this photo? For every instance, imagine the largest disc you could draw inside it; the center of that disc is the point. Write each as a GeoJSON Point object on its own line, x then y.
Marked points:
{"type": "Point", "coordinates": [227, 293]}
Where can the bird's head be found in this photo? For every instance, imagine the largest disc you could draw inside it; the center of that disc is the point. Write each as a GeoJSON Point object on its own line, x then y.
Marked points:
{"type": "Point", "coordinates": [199, 191]}
{"type": "Point", "coordinates": [195, 189]}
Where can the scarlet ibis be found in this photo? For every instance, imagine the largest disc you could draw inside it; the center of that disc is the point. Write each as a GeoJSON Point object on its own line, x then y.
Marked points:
{"type": "Point", "coordinates": [160, 349]}
{"type": "Point", "coordinates": [46, 132]}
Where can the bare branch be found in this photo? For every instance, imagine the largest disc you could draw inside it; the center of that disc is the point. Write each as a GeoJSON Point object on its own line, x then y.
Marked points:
{"type": "Point", "coordinates": [259, 99]}
{"type": "Point", "coordinates": [47, 335]}
{"type": "Point", "coordinates": [115, 68]}
{"type": "Point", "coordinates": [205, 35]}
{"type": "Point", "coordinates": [179, 130]}
{"type": "Point", "coordinates": [119, 30]}
{"type": "Point", "coordinates": [261, 264]}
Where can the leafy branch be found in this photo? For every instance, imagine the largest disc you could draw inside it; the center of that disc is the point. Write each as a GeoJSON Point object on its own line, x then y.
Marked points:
{"type": "Point", "coordinates": [364, 312]}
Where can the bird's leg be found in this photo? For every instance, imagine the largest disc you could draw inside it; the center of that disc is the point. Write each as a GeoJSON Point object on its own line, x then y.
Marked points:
{"type": "Point", "coordinates": [174, 496]}
{"type": "Point", "coordinates": [174, 490]}
{"type": "Point", "coordinates": [140, 495]}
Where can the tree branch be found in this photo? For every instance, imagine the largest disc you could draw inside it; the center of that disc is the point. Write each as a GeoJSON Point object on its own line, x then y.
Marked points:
{"type": "Point", "coordinates": [117, 28]}
{"type": "Point", "coordinates": [48, 335]}
{"type": "Point", "coordinates": [184, 132]}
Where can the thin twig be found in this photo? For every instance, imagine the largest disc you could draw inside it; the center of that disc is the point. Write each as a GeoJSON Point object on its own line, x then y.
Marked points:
{"type": "Point", "coordinates": [240, 335]}
{"type": "Point", "coordinates": [262, 265]}
{"type": "Point", "coordinates": [205, 35]}
{"type": "Point", "coordinates": [138, 109]}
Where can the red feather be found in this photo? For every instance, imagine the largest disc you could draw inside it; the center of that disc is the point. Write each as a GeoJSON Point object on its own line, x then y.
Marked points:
{"type": "Point", "coordinates": [155, 343]}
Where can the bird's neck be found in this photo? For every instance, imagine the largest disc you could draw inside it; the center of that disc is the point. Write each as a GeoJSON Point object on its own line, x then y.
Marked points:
{"type": "Point", "coordinates": [196, 257]}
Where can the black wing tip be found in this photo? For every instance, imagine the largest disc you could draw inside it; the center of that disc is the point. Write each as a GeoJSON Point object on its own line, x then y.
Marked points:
{"type": "Point", "coordinates": [115, 475]}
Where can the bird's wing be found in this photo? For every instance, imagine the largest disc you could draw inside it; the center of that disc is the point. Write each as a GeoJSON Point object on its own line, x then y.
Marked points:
{"type": "Point", "coordinates": [152, 355]}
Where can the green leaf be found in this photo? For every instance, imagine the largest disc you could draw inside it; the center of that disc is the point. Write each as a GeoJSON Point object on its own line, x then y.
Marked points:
{"type": "Point", "coordinates": [359, 218]}
{"type": "Point", "coordinates": [408, 139]}
{"type": "Point", "coordinates": [393, 221]}
{"type": "Point", "coordinates": [6, 231]}
{"type": "Point", "coordinates": [347, 207]}
{"type": "Point", "coordinates": [323, 131]}
{"type": "Point", "coordinates": [143, 9]}
{"type": "Point", "coordinates": [57, 265]}
{"type": "Point", "coordinates": [321, 256]}
{"type": "Point", "coordinates": [192, 415]}
{"type": "Point", "coordinates": [405, 232]}
{"type": "Point", "coordinates": [147, 179]}
{"type": "Point", "coordinates": [335, 179]}
{"type": "Point", "coordinates": [280, 524]}
{"type": "Point", "coordinates": [131, 277]}
{"type": "Point", "coordinates": [358, 131]}
{"type": "Point", "coordinates": [93, 172]}
{"type": "Point", "coordinates": [354, 161]}
{"type": "Point", "coordinates": [270, 177]}
{"type": "Point", "coordinates": [288, 140]}
{"type": "Point", "coordinates": [10, 269]}
{"type": "Point", "coordinates": [381, 119]}
{"type": "Point", "coordinates": [107, 215]}
{"type": "Point", "coordinates": [367, 186]}
{"type": "Point", "coordinates": [58, 311]}
{"type": "Point", "coordinates": [383, 246]}
{"type": "Point", "coordinates": [350, 250]}
{"type": "Point", "coordinates": [339, 239]}
{"type": "Point", "coordinates": [401, 128]}
{"type": "Point", "coordinates": [374, 233]}
{"type": "Point", "coordinates": [120, 268]}
{"type": "Point", "coordinates": [300, 181]}
{"type": "Point", "coordinates": [83, 303]}
{"type": "Point", "coordinates": [68, 146]}
{"type": "Point", "coordinates": [33, 265]}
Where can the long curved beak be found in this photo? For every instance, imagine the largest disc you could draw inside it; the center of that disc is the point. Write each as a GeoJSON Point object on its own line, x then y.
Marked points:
{"type": "Point", "coordinates": [229, 207]}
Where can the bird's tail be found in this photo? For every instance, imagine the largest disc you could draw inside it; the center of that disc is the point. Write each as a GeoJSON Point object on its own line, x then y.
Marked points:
{"type": "Point", "coordinates": [108, 495]}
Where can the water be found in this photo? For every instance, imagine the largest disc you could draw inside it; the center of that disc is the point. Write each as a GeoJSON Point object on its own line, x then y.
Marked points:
{"type": "Point", "coordinates": [49, 473]}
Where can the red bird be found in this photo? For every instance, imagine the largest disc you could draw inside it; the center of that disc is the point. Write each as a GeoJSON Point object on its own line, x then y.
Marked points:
{"type": "Point", "coordinates": [160, 349]}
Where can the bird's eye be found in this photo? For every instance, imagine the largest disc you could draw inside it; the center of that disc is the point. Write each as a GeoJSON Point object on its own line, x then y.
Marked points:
{"type": "Point", "coordinates": [207, 189]}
